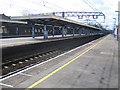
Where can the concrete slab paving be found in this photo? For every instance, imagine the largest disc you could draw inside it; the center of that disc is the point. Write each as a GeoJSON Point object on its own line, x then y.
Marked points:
{"type": "Point", "coordinates": [97, 72]}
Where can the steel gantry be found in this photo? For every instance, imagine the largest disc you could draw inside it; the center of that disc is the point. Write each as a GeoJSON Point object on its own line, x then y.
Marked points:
{"type": "Point", "coordinates": [80, 15]}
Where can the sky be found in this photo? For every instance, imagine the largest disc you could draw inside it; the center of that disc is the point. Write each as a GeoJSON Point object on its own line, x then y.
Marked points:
{"type": "Point", "coordinates": [20, 7]}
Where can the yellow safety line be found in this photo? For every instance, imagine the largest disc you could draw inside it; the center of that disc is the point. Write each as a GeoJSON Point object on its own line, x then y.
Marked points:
{"type": "Point", "coordinates": [47, 76]}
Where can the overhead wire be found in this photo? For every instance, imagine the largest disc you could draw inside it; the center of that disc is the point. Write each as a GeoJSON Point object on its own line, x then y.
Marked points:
{"type": "Point", "coordinates": [38, 4]}
{"type": "Point", "coordinates": [13, 5]}
{"type": "Point", "coordinates": [46, 4]}
{"type": "Point", "coordinates": [89, 5]}
{"type": "Point", "coordinates": [56, 5]}
{"type": "Point", "coordinates": [92, 5]}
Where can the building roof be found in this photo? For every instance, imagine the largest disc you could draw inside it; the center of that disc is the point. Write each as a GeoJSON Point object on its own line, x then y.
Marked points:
{"type": "Point", "coordinates": [4, 17]}
{"type": "Point", "coordinates": [7, 19]}
{"type": "Point", "coordinates": [51, 20]}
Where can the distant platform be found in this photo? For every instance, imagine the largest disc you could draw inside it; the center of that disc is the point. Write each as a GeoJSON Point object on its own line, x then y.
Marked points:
{"type": "Point", "coordinates": [7, 42]}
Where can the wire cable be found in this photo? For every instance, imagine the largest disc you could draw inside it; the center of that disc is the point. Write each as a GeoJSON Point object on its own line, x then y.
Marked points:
{"type": "Point", "coordinates": [92, 5]}
{"type": "Point", "coordinates": [89, 5]}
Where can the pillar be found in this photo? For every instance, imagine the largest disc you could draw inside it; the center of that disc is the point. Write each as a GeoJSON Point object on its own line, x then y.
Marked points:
{"type": "Point", "coordinates": [45, 32]}
{"type": "Point", "coordinates": [63, 31]}
{"type": "Point", "coordinates": [79, 31]}
{"type": "Point", "coordinates": [17, 31]}
{"type": "Point", "coordinates": [73, 32]}
{"type": "Point", "coordinates": [33, 31]}
{"type": "Point", "coordinates": [53, 31]}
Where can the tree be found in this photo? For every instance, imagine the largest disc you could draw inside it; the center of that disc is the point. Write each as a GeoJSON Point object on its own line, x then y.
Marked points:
{"type": "Point", "coordinates": [26, 12]}
{"type": "Point", "coordinates": [98, 25]}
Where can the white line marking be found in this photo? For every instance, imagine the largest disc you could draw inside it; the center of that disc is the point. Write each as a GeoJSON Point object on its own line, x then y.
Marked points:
{"type": "Point", "coordinates": [6, 85]}
{"type": "Point", "coordinates": [106, 53]}
{"type": "Point", "coordinates": [25, 74]}
{"type": "Point", "coordinates": [47, 60]}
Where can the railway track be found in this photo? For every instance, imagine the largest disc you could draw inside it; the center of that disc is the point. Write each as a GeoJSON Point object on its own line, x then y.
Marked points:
{"type": "Point", "coordinates": [32, 57]}
{"type": "Point", "coordinates": [23, 63]}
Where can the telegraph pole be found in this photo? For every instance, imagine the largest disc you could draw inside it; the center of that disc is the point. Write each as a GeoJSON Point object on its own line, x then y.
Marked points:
{"type": "Point", "coordinates": [118, 29]}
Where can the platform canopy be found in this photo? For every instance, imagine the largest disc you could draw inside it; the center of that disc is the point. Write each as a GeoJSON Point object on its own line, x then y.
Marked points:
{"type": "Point", "coordinates": [51, 20]}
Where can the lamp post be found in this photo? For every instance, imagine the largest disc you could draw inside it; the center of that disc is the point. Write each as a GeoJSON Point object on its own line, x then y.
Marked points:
{"type": "Point", "coordinates": [118, 29]}
{"type": "Point", "coordinates": [114, 27]}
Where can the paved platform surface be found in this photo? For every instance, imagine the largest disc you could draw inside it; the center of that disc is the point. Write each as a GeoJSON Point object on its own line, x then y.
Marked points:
{"type": "Point", "coordinates": [94, 65]}
{"type": "Point", "coordinates": [6, 42]}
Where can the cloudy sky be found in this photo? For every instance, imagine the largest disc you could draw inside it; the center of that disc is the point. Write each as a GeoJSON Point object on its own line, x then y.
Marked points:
{"type": "Point", "coordinates": [18, 7]}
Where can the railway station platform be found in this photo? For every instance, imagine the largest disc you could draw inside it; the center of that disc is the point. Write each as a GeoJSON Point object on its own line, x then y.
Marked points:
{"type": "Point", "coordinates": [93, 65]}
{"type": "Point", "coordinates": [8, 42]}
